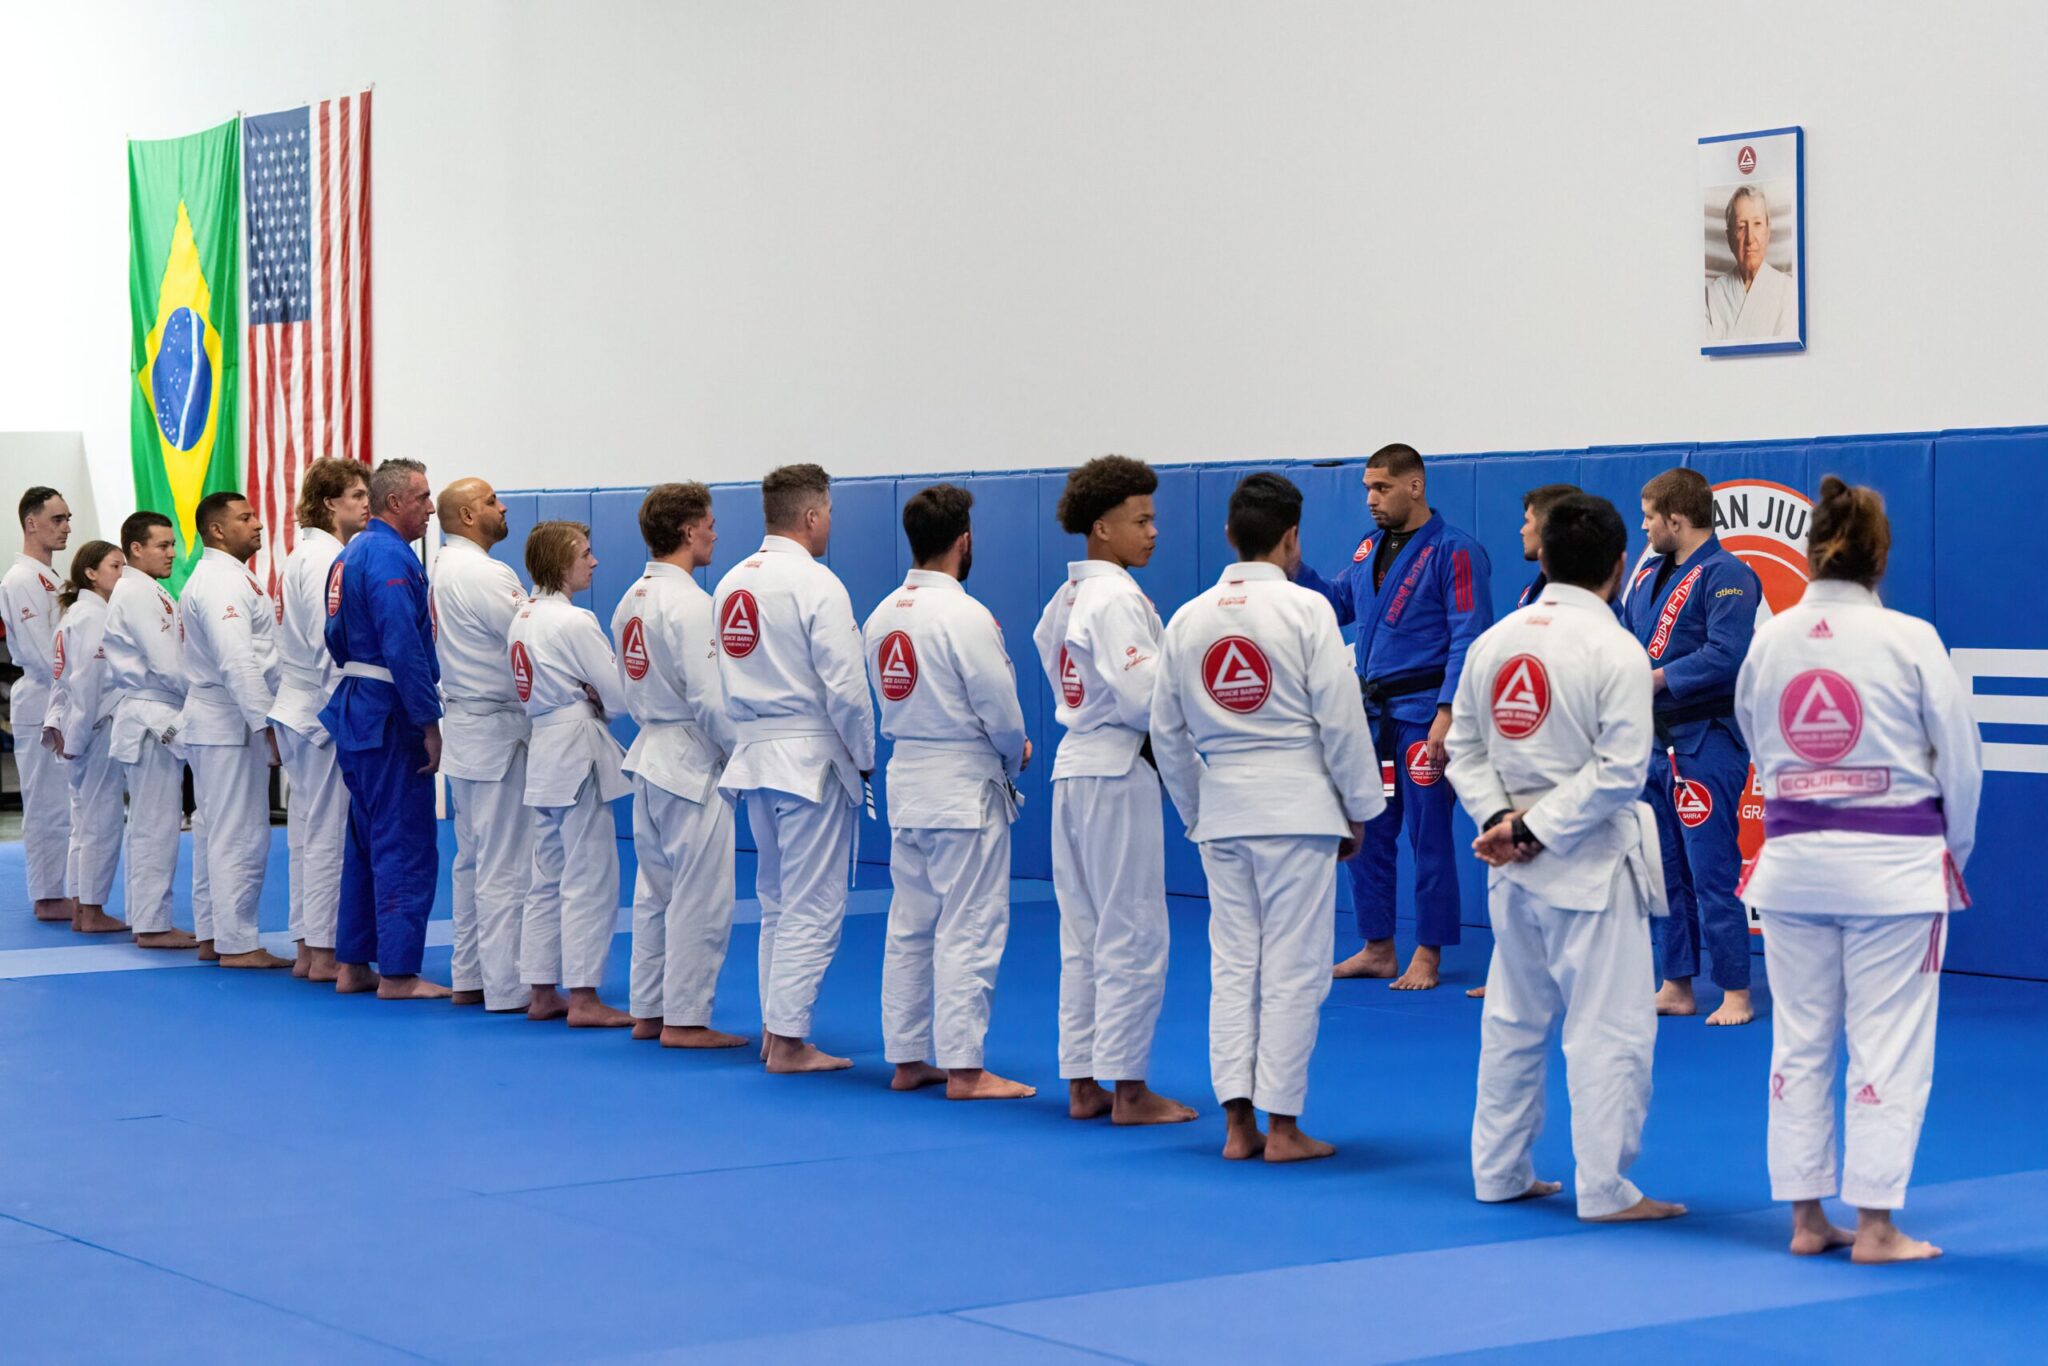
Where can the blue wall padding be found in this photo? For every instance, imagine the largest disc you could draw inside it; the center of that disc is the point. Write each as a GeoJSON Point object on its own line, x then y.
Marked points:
{"type": "Point", "coordinates": [621, 557]}
{"type": "Point", "coordinates": [571, 505]}
{"type": "Point", "coordinates": [519, 519]}
{"type": "Point", "coordinates": [865, 532]}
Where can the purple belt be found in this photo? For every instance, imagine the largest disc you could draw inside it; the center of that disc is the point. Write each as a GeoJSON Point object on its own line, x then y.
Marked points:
{"type": "Point", "coordinates": [1786, 817]}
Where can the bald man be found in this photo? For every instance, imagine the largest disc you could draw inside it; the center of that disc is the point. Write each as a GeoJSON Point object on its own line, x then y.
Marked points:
{"type": "Point", "coordinates": [483, 753]}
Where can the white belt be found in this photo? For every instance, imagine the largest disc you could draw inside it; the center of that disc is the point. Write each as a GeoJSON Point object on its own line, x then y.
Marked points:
{"type": "Point", "coordinates": [782, 728]}
{"type": "Point", "coordinates": [481, 706]}
{"type": "Point", "coordinates": [356, 669]}
{"type": "Point", "coordinates": [158, 695]}
{"type": "Point", "coordinates": [562, 716]}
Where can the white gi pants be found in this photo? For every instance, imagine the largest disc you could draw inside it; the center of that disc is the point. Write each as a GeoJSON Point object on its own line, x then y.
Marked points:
{"type": "Point", "coordinates": [570, 914]}
{"type": "Point", "coordinates": [804, 856]}
{"type": "Point", "coordinates": [1593, 969]}
{"type": "Point", "coordinates": [45, 795]}
{"type": "Point", "coordinates": [682, 903]}
{"type": "Point", "coordinates": [1270, 938]}
{"type": "Point", "coordinates": [1877, 978]}
{"type": "Point", "coordinates": [1109, 875]}
{"type": "Point", "coordinates": [96, 784]}
{"type": "Point", "coordinates": [232, 783]}
{"type": "Point", "coordinates": [948, 921]}
{"type": "Point", "coordinates": [156, 810]}
{"type": "Point", "coordinates": [316, 828]}
{"type": "Point", "coordinates": [492, 874]}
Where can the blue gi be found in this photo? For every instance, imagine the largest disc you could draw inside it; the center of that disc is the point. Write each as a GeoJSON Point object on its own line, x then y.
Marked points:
{"type": "Point", "coordinates": [1534, 589]}
{"type": "Point", "coordinates": [1413, 632]}
{"type": "Point", "coordinates": [380, 632]}
{"type": "Point", "coordinates": [1697, 630]}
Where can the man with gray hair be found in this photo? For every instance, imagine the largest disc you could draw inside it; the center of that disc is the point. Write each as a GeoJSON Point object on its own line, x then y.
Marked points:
{"type": "Point", "coordinates": [1755, 301]}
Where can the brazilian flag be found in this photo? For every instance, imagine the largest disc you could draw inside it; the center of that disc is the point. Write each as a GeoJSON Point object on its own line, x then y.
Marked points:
{"type": "Point", "coordinates": [184, 227]}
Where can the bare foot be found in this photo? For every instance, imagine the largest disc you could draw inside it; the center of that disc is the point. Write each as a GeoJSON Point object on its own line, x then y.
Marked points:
{"type": "Point", "coordinates": [1735, 1009]}
{"type": "Point", "coordinates": [978, 1083]}
{"type": "Point", "coordinates": [547, 1004]}
{"type": "Point", "coordinates": [788, 1056]}
{"type": "Point", "coordinates": [1087, 1099]}
{"type": "Point", "coordinates": [1812, 1234]}
{"type": "Point", "coordinates": [910, 1076]}
{"type": "Point", "coordinates": [1879, 1242]}
{"type": "Point", "coordinates": [1476, 993]}
{"type": "Point", "coordinates": [466, 998]}
{"type": "Point", "coordinates": [1421, 976]}
{"type": "Point", "coordinates": [1675, 997]}
{"type": "Point", "coordinates": [53, 908]}
{"type": "Point", "coordinates": [411, 988]}
{"type": "Point", "coordinates": [302, 960]}
{"type": "Point", "coordinates": [1641, 1210]}
{"type": "Point", "coordinates": [353, 979]}
{"type": "Point", "coordinates": [165, 939]}
{"type": "Point", "coordinates": [1541, 1190]}
{"type": "Point", "coordinates": [94, 920]}
{"type": "Point", "coordinates": [206, 952]}
{"type": "Point", "coordinates": [647, 1028]}
{"type": "Point", "coordinates": [587, 1012]}
{"type": "Point", "coordinates": [1285, 1142]}
{"type": "Point", "coordinates": [1376, 959]}
{"type": "Point", "coordinates": [323, 968]}
{"type": "Point", "coordinates": [698, 1036]}
{"type": "Point", "coordinates": [1137, 1103]}
{"type": "Point", "coordinates": [1242, 1140]}
{"type": "Point", "coordinates": [254, 958]}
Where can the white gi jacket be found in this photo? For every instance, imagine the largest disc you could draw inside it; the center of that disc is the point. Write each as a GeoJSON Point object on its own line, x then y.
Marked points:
{"type": "Point", "coordinates": [1553, 716]}
{"type": "Point", "coordinates": [229, 627]}
{"type": "Point", "coordinates": [79, 699]}
{"type": "Point", "coordinates": [145, 664]}
{"type": "Point", "coordinates": [1768, 309]}
{"type": "Point", "coordinates": [483, 722]}
{"type": "Point", "coordinates": [789, 656]}
{"type": "Point", "coordinates": [949, 702]}
{"type": "Point", "coordinates": [1098, 642]}
{"type": "Point", "coordinates": [28, 595]}
{"type": "Point", "coordinates": [668, 667]}
{"type": "Point", "coordinates": [555, 649]}
{"type": "Point", "coordinates": [306, 672]}
{"type": "Point", "coordinates": [1855, 709]}
{"type": "Point", "coordinates": [1256, 722]}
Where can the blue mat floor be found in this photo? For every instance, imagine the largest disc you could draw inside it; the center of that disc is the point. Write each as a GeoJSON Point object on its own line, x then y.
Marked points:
{"type": "Point", "coordinates": [198, 1165]}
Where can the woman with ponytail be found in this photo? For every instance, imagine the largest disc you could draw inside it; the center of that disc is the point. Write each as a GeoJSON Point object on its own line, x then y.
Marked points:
{"type": "Point", "coordinates": [76, 727]}
{"type": "Point", "coordinates": [1870, 768]}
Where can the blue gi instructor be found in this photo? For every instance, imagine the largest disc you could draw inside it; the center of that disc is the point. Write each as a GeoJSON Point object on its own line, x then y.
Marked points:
{"type": "Point", "coordinates": [385, 717]}
{"type": "Point", "coordinates": [1418, 590]}
{"type": "Point", "coordinates": [1693, 606]}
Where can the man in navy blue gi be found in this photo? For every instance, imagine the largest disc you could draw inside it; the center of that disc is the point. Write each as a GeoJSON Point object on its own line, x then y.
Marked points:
{"type": "Point", "coordinates": [1418, 590]}
{"type": "Point", "coordinates": [385, 717]}
{"type": "Point", "coordinates": [1536, 506]}
{"type": "Point", "coordinates": [1694, 605]}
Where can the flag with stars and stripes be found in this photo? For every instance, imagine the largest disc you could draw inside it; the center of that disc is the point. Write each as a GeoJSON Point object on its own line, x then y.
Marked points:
{"type": "Point", "coordinates": [306, 205]}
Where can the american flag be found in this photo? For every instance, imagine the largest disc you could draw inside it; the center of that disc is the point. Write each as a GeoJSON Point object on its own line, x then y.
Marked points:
{"type": "Point", "coordinates": [306, 181]}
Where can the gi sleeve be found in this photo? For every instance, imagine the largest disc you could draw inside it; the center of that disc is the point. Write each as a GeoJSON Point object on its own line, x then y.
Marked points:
{"type": "Point", "coordinates": [88, 675]}
{"type": "Point", "coordinates": [232, 633]}
{"type": "Point", "coordinates": [1613, 778]}
{"type": "Point", "coordinates": [1348, 752]}
{"type": "Point", "coordinates": [1468, 611]}
{"type": "Point", "coordinates": [58, 705]}
{"type": "Point", "coordinates": [1340, 595]}
{"type": "Point", "coordinates": [1173, 744]}
{"type": "Point", "coordinates": [693, 646]}
{"type": "Point", "coordinates": [1120, 640]}
{"type": "Point", "coordinates": [404, 638]}
{"type": "Point", "coordinates": [991, 682]}
{"type": "Point", "coordinates": [496, 608]}
{"type": "Point", "coordinates": [1467, 762]}
{"type": "Point", "coordinates": [837, 657]}
{"type": "Point", "coordinates": [591, 656]}
{"type": "Point", "coordinates": [1952, 731]}
{"type": "Point", "coordinates": [1731, 621]}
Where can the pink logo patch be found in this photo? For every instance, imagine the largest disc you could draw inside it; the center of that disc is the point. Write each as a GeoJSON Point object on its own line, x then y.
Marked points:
{"type": "Point", "coordinates": [1237, 674]}
{"type": "Point", "coordinates": [739, 628]}
{"type": "Point", "coordinates": [633, 649]}
{"type": "Point", "coordinates": [1521, 697]}
{"type": "Point", "coordinates": [1071, 690]}
{"type": "Point", "coordinates": [896, 662]}
{"type": "Point", "coordinates": [1820, 716]}
{"type": "Point", "coordinates": [522, 671]}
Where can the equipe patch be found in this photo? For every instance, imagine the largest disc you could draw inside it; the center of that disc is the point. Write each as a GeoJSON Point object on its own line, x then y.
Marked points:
{"type": "Point", "coordinates": [1521, 697]}
{"type": "Point", "coordinates": [334, 589]}
{"type": "Point", "coordinates": [739, 625]}
{"type": "Point", "coordinates": [633, 649]}
{"type": "Point", "coordinates": [1811, 784]}
{"type": "Point", "coordinates": [1237, 674]}
{"type": "Point", "coordinates": [522, 671]}
{"type": "Point", "coordinates": [1820, 715]}
{"type": "Point", "coordinates": [1695, 804]}
{"type": "Point", "coordinates": [896, 662]}
{"type": "Point", "coordinates": [1423, 771]}
{"type": "Point", "coordinates": [1071, 691]}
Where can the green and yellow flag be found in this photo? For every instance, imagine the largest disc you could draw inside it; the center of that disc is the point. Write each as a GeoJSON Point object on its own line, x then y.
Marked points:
{"type": "Point", "coordinates": [184, 227]}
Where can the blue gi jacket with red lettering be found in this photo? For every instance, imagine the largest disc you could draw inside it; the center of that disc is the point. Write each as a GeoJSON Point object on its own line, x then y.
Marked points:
{"type": "Point", "coordinates": [1436, 600]}
{"type": "Point", "coordinates": [1697, 631]}
{"type": "Point", "coordinates": [377, 614]}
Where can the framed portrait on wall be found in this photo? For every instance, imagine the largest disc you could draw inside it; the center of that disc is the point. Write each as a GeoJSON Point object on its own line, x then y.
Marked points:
{"type": "Point", "coordinates": [1753, 197]}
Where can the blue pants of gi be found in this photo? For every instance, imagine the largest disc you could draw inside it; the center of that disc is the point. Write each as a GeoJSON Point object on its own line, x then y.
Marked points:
{"type": "Point", "coordinates": [1703, 863]}
{"type": "Point", "coordinates": [1423, 813]}
{"type": "Point", "coordinates": [390, 862]}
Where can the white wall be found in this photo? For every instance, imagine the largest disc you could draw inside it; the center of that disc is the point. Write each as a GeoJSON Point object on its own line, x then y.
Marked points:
{"type": "Point", "coordinates": [618, 241]}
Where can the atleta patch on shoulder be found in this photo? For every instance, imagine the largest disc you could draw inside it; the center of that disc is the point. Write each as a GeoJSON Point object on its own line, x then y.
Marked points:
{"type": "Point", "coordinates": [1728, 593]}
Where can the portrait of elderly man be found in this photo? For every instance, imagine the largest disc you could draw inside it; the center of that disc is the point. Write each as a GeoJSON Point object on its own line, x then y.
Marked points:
{"type": "Point", "coordinates": [1755, 301]}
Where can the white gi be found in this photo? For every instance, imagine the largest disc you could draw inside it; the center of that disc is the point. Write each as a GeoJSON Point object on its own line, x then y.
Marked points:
{"type": "Point", "coordinates": [484, 734]}
{"type": "Point", "coordinates": [949, 702]}
{"type": "Point", "coordinates": [229, 627]}
{"type": "Point", "coordinates": [1098, 641]}
{"type": "Point", "coordinates": [28, 596]}
{"type": "Point", "coordinates": [1553, 717]}
{"type": "Point", "coordinates": [81, 709]}
{"type": "Point", "coordinates": [146, 676]}
{"type": "Point", "coordinates": [1871, 770]}
{"type": "Point", "coordinates": [1263, 745]}
{"type": "Point", "coordinates": [804, 731]}
{"type": "Point", "coordinates": [1765, 311]}
{"type": "Point", "coordinates": [316, 814]}
{"type": "Point", "coordinates": [682, 823]}
{"type": "Point", "coordinates": [557, 650]}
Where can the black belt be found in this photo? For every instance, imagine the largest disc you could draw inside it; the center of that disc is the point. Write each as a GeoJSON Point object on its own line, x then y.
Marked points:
{"type": "Point", "coordinates": [1712, 709]}
{"type": "Point", "coordinates": [1145, 752]}
{"type": "Point", "coordinates": [1378, 690]}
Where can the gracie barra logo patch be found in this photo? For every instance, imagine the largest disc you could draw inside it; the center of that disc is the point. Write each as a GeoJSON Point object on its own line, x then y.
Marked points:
{"type": "Point", "coordinates": [57, 668]}
{"type": "Point", "coordinates": [1423, 771]}
{"type": "Point", "coordinates": [1364, 549]}
{"type": "Point", "coordinates": [1821, 716]}
{"type": "Point", "coordinates": [1673, 605]}
{"type": "Point", "coordinates": [896, 662]}
{"type": "Point", "coordinates": [1071, 690]}
{"type": "Point", "coordinates": [633, 649]}
{"type": "Point", "coordinates": [739, 625]}
{"type": "Point", "coordinates": [1694, 803]}
{"type": "Point", "coordinates": [334, 590]}
{"type": "Point", "coordinates": [1237, 674]}
{"type": "Point", "coordinates": [522, 671]}
{"type": "Point", "coordinates": [1521, 697]}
